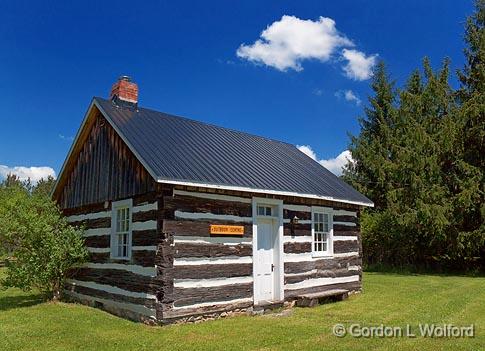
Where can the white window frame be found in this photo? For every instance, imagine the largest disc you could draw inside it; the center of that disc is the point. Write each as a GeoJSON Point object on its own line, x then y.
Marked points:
{"type": "Point", "coordinates": [115, 206]}
{"type": "Point", "coordinates": [272, 209]}
{"type": "Point", "coordinates": [328, 211]}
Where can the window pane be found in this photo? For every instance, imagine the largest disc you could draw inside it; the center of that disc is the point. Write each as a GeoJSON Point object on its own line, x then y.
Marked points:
{"type": "Point", "coordinates": [268, 211]}
{"type": "Point", "coordinates": [325, 223]}
{"type": "Point", "coordinates": [321, 230]}
{"type": "Point", "coordinates": [121, 232]}
{"type": "Point", "coordinates": [119, 244]}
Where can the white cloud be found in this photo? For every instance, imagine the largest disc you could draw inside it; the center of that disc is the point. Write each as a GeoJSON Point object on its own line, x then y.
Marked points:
{"type": "Point", "coordinates": [348, 95]}
{"type": "Point", "coordinates": [34, 173]}
{"type": "Point", "coordinates": [307, 150]}
{"type": "Point", "coordinates": [337, 164]}
{"type": "Point", "coordinates": [287, 42]}
{"type": "Point", "coordinates": [318, 92]}
{"type": "Point", "coordinates": [63, 137]}
{"type": "Point", "coordinates": [334, 165]}
{"type": "Point", "coordinates": [359, 66]}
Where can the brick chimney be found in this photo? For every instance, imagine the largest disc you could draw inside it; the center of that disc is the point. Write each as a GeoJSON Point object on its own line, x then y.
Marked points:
{"type": "Point", "coordinates": [125, 90]}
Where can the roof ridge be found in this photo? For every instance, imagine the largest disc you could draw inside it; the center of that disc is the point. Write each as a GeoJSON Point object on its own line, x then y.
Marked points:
{"type": "Point", "coordinates": [195, 153]}
{"type": "Point", "coordinates": [206, 123]}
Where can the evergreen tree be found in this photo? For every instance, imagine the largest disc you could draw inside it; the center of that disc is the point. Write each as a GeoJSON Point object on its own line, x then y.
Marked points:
{"type": "Point", "coordinates": [471, 188]}
{"type": "Point", "coordinates": [410, 158]}
{"type": "Point", "coordinates": [372, 149]}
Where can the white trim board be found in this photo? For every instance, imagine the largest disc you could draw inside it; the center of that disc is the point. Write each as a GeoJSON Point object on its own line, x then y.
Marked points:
{"type": "Point", "coordinates": [182, 239]}
{"type": "Point", "coordinates": [211, 216]}
{"type": "Point", "coordinates": [98, 249]}
{"type": "Point", "coordinates": [147, 271]}
{"type": "Point", "coordinates": [311, 283]}
{"type": "Point", "coordinates": [218, 304]}
{"type": "Point", "coordinates": [196, 261]}
{"type": "Point", "coordinates": [93, 215]}
{"type": "Point", "coordinates": [262, 191]}
{"type": "Point", "coordinates": [110, 289]}
{"type": "Point", "coordinates": [145, 208]}
{"type": "Point", "coordinates": [208, 283]}
{"type": "Point", "coordinates": [300, 221]}
{"type": "Point", "coordinates": [297, 239]}
{"type": "Point", "coordinates": [123, 305]}
{"type": "Point", "coordinates": [97, 232]}
{"type": "Point", "coordinates": [348, 224]}
{"type": "Point", "coordinates": [146, 225]}
{"type": "Point", "coordinates": [344, 213]}
{"type": "Point", "coordinates": [144, 248]}
{"type": "Point", "coordinates": [344, 238]}
{"type": "Point", "coordinates": [308, 256]}
{"type": "Point", "coordinates": [133, 248]}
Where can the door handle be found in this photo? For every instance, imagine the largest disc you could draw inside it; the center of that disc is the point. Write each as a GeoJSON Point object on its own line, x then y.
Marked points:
{"type": "Point", "coordinates": [272, 267]}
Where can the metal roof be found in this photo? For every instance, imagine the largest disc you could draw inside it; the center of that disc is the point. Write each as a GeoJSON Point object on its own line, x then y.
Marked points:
{"type": "Point", "coordinates": [178, 150]}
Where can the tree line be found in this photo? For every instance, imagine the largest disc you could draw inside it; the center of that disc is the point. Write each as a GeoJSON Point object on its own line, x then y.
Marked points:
{"type": "Point", "coordinates": [420, 157]}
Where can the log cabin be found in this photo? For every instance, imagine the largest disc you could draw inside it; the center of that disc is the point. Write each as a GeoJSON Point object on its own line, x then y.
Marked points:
{"type": "Point", "coordinates": [187, 220]}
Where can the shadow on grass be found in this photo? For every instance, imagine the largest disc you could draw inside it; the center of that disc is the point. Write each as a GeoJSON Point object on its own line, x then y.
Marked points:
{"type": "Point", "coordinates": [11, 302]}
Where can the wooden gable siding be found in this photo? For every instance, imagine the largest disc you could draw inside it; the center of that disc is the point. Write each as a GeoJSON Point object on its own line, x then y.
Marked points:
{"type": "Point", "coordinates": [104, 170]}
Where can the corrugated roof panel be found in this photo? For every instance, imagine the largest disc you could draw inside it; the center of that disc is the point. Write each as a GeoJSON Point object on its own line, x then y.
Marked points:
{"type": "Point", "coordinates": [181, 149]}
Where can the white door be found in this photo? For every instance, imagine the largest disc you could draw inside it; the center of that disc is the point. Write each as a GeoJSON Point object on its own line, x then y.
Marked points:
{"type": "Point", "coordinates": [265, 263]}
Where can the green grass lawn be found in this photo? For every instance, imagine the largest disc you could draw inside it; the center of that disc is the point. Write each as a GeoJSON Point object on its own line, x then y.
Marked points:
{"type": "Point", "coordinates": [26, 323]}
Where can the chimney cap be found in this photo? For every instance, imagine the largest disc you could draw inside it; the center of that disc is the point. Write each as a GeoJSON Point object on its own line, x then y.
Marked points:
{"type": "Point", "coordinates": [125, 78]}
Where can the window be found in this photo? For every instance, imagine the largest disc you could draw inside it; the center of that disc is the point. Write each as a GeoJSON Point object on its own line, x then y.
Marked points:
{"type": "Point", "coordinates": [121, 229]}
{"type": "Point", "coordinates": [265, 211]}
{"type": "Point", "coordinates": [322, 232]}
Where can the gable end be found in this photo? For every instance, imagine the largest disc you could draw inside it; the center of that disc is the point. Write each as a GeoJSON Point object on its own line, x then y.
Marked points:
{"type": "Point", "coordinates": [100, 167]}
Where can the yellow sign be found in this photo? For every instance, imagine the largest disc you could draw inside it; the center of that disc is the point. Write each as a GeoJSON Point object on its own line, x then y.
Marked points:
{"type": "Point", "coordinates": [217, 229]}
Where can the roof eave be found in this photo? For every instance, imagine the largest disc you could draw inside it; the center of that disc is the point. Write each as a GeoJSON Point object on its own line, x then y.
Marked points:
{"type": "Point", "coordinates": [263, 191]}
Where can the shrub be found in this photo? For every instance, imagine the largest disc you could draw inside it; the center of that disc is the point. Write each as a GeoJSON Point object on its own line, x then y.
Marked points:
{"type": "Point", "coordinates": [42, 247]}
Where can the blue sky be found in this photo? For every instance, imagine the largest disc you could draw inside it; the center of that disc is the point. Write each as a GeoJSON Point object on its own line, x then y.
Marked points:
{"type": "Point", "coordinates": [301, 83]}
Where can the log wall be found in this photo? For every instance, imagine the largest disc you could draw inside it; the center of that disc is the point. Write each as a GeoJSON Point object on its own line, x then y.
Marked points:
{"type": "Point", "coordinates": [214, 273]}
{"type": "Point", "coordinates": [305, 273]}
{"type": "Point", "coordinates": [128, 288]}
{"type": "Point", "coordinates": [210, 273]}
